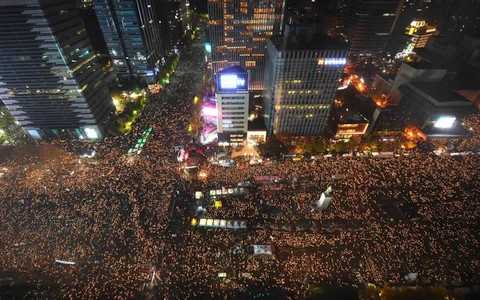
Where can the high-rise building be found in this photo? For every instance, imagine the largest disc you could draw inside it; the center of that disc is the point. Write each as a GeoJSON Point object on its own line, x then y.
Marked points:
{"type": "Point", "coordinates": [87, 3]}
{"type": "Point", "coordinates": [433, 12]}
{"type": "Point", "coordinates": [238, 33]}
{"type": "Point", "coordinates": [172, 15]}
{"type": "Point", "coordinates": [49, 76]}
{"type": "Point", "coordinates": [368, 24]}
{"type": "Point", "coordinates": [232, 105]}
{"type": "Point", "coordinates": [415, 9]}
{"type": "Point", "coordinates": [132, 32]}
{"type": "Point", "coordinates": [302, 77]}
{"type": "Point", "coordinates": [418, 32]}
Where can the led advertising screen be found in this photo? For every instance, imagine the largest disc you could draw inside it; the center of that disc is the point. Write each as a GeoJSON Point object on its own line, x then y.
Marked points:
{"type": "Point", "coordinates": [232, 82]}
{"type": "Point", "coordinates": [332, 61]}
{"type": "Point", "coordinates": [150, 73]}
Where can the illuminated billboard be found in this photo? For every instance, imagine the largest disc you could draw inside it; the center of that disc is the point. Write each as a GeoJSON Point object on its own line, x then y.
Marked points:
{"type": "Point", "coordinates": [445, 122]}
{"type": "Point", "coordinates": [328, 61]}
{"type": "Point", "coordinates": [232, 82]}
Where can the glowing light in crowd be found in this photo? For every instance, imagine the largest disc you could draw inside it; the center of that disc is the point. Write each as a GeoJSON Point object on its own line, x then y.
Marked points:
{"type": "Point", "coordinates": [116, 102]}
{"type": "Point", "coordinates": [208, 47]}
{"type": "Point", "coordinates": [209, 111]}
{"type": "Point", "coordinates": [91, 133]}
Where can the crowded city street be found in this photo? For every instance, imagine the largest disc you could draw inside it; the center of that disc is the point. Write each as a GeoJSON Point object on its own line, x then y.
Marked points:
{"type": "Point", "coordinates": [128, 226]}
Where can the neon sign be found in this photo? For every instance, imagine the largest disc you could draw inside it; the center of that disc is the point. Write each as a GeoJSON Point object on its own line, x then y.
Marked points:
{"type": "Point", "coordinates": [331, 61]}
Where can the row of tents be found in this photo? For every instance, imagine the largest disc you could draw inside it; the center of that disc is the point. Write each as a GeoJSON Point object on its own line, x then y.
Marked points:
{"type": "Point", "coordinates": [217, 193]}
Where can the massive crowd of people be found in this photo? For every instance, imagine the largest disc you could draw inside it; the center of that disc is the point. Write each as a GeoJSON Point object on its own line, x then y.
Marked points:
{"type": "Point", "coordinates": [119, 218]}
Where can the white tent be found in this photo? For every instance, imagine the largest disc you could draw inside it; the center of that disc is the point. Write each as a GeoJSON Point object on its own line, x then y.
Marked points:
{"type": "Point", "coordinates": [262, 249]}
{"type": "Point", "coordinates": [410, 277]}
{"type": "Point", "coordinates": [321, 200]}
{"type": "Point", "coordinates": [328, 191]}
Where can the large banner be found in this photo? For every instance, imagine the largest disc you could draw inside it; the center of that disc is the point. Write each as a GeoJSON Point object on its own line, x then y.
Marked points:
{"type": "Point", "coordinates": [267, 178]}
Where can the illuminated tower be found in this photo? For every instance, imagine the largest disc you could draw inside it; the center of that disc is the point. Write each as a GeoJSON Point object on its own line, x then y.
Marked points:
{"type": "Point", "coordinates": [303, 73]}
{"type": "Point", "coordinates": [418, 33]}
{"type": "Point", "coordinates": [49, 76]}
{"type": "Point", "coordinates": [132, 32]}
{"type": "Point", "coordinates": [238, 33]}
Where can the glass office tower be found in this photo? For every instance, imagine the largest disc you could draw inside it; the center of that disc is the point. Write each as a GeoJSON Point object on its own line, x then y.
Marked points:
{"type": "Point", "coordinates": [132, 32]}
{"type": "Point", "coordinates": [238, 33]}
{"type": "Point", "coordinates": [368, 24]}
{"type": "Point", "coordinates": [49, 76]}
{"type": "Point", "coordinates": [303, 72]}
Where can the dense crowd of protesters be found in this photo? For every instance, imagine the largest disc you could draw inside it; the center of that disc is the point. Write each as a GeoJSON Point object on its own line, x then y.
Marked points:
{"type": "Point", "coordinates": [110, 216]}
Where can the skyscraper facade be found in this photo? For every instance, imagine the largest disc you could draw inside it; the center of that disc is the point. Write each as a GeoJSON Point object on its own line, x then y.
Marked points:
{"type": "Point", "coordinates": [172, 15]}
{"type": "Point", "coordinates": [238, 33]}
{"type": "Point", "coordinates": [433, 12]}
{"type": "Point", "coordinates": [368, 24]}
{"type": "Point", "coordinates": [302, 77]}
{"type": "Point", "coordinates": [49, 76]}
{"type": "Point", "coordinates": [132, 32]}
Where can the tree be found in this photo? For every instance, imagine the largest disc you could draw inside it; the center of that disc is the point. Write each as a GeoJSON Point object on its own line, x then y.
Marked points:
{"type": "Point", "coordinates": [272, 147]}
{"type": "Point", "coordinates": [320, 145]}
{"type": "Point", "coordinates": [6, 118]}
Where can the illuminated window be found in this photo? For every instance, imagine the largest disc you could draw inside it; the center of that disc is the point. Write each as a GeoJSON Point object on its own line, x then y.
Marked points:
{"type": "Point", "coordinates": [250, 63]}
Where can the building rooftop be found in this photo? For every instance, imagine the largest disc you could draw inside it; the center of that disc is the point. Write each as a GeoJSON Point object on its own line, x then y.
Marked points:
{"type": "Point", "coordinates": [353, 118]}
{"type": "Point", "coordinates": [233, 70]}
{"type": "Point", "coordinates": [387, 77]}
{"type": "Point", "coordinates": [436, 99]}
{"type": "Point", "coordinates": [436, 60]}
{"type": "Point", "coordinates": [257, 125]}
{"type": "Point", "coordinates": [454, 132]}
{"type": "Point", "coordinates": [298, 38]}
{"type": "Point", "coordinates": [421, 65]}
{"type": "Point", "coordinates": [440, 92]}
